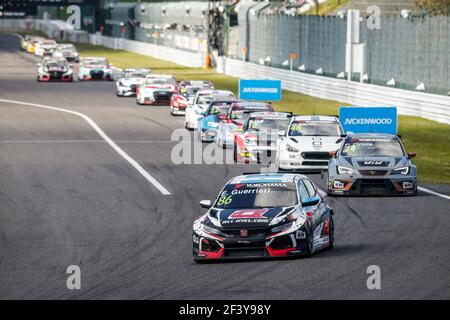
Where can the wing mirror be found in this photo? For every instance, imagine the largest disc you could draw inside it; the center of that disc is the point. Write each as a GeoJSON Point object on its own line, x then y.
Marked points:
{"type": "Point", "coordinates": [311, 201]}
{"type": "Point", "coordinates": [411, 155]}
{"type": "Point", "coordinates": [206, 204]}
{"type": "Point", "coordinates": [333, 154]}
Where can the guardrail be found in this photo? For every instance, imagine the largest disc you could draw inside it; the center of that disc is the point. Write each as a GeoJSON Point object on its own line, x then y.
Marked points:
{"type": "Point", "coordinates": [430, 106]}
{"type": "Point", "coordinates": [185, 58]}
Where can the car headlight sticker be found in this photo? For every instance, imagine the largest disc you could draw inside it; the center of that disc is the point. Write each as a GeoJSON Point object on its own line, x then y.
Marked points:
{"type": "Point", "coordinates": [402, 170]}
{"type": "Point", "coordinates": [345, 170]}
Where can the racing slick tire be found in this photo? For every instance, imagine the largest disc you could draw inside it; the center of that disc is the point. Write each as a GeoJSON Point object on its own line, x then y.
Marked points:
{"type": "Point", "coordinates": [235, 157]}
{"type": "Point", "coordinates": [331, 234]}
{"type": "Point", "coordinates": [309, 249]}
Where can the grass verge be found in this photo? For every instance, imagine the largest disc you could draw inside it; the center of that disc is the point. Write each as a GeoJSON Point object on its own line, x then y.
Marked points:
{"type": "Point", "coordinates": [429, 139]}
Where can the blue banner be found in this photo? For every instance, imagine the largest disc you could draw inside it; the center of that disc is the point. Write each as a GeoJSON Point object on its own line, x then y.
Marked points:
{"type": "Point", "coordinates": [260, 90]}
{"type": "Point", "coordinates": [369, 119]}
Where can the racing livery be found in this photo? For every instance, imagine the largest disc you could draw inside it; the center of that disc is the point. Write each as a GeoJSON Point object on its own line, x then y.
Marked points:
{"type": "Point", "coordinates": [127, 84]}
{"type": "Point", "coordinates": [32, 43]}
{"type": "Point", "coordinates": [185, 95]}
{"type": "Point", "coordinates": [258, 139]}
{"type": "Point", "coordinates": [93, 68]}
{"type": "Point", "coordinates": [209, 122]}
{"type": "Point", "coordinates": [67, 51]}
{"type": "Point", "coordinates": [201, 101]}
{"type": "Point", "coordinates": [264, 215]}
{"type": "Point", "coordinates": [308, 143]}
{"type": "Point", "coordinates": [157, 88]}
{"type": "Point", "coordinates": [54, 69]}
{"type": "Point", "coordinates": [235, 119]}
{"type": "Point", "coordinates": [372, 164]}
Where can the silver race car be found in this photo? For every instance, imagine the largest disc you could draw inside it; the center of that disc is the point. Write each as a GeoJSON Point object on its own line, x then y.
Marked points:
{"type": "Point", "coordinates": [372, 164]}
{"type": "Point", "coordinates": [127, 84]}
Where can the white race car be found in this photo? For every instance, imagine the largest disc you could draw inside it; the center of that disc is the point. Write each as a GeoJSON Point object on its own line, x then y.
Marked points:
{"type": "Point", "coordinates": [45, 47]}
{"type": "Point", "coordinates": [201, 101]}
{"type": "Point", "coordinates": [68, 51]}
{"type": "Point", "coordinates": [131, 78]}
{"type": "Point", "coordinates": [94, 68]}
{"type": "Point", "coordinates": [157, 88]}
{"type": "Point", "coordinates": [308, 143]}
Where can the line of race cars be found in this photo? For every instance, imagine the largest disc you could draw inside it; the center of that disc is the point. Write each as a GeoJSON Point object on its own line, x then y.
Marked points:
{"type": "Point", "coordinates": [267, 214]}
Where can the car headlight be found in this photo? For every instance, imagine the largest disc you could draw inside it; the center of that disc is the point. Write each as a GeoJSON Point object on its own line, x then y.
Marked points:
{"type": "Point", "coordinates": [291, 148]}
{"type": "Point", "coordinates": [345, 170]}
{"type": "Point", "coordinates": [282, 227]}
{"type": "Point", "coordinates": [210, 230]}
{"type": "Point", "coordinates": [402, 170]}
{"type": "Point", "coordinates": [213, 124]}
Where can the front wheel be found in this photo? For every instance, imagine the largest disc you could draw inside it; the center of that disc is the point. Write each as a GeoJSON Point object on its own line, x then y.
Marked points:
{"type": "Point", "coordinates": [331, 234]}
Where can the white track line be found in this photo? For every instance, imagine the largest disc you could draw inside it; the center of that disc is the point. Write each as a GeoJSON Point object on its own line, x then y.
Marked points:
{"type": "Point", "coordinates": [434, 193]}
{"type": "Point", "coordinates": [113, 145]}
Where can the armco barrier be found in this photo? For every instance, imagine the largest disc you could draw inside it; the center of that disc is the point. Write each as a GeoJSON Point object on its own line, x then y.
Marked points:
{"type": "Point", "coordinates": [430, 106]}
{"type": "Point", "coordinates": [177, 56]}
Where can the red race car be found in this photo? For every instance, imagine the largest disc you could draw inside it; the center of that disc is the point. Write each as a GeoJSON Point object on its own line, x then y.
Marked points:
{"type": "Point", "coordinates": [185, 95]}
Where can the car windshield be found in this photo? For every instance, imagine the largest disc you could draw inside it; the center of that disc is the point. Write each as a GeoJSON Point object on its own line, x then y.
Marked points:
{"type": "Point", "coordinates": [135, 75]}
{"type": "Point", "coordinates": [314, 128]}
{"type": "Point", "coordinates": [55, 64]}
{"type": "Point", "coordinates": [189, 91]}
{"type": "Point", "coordinates": [67, 47]}
{"type": "Point", "coordinates": [219, 109]}
{"type": "Point", "coordinates": [100, 62]}
{"type": "Point", "coordinates": [264, 124]}
{"type": "Point", "coordinates": [372, 148]}
{"type": "Point", "coordinates": [208, 98]}
{"type": "Point", "coordinates": [257, 195]}
{"type": "Point", "coordinates": [161, 81]}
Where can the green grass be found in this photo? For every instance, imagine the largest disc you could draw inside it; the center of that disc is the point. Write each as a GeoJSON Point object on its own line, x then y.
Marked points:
{"type": "Point", "coordinates": [429, 139]}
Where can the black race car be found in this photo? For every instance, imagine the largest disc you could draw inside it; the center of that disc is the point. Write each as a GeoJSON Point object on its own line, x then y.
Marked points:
{"type": "Point", "coordinates": [264, 215]}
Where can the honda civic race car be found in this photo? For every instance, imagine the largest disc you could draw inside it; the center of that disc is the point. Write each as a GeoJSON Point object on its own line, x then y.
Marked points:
{"type": "Point", "coordinates": [67, 51]}
{"type": "Point", "coordinates": [209, 122]}
{"type": "Point", "coordinates": [129, 81]}
{"type": "Point", "coordinates": [264, 215]}
{"type": "Point", "coordinates": [93, 68]}
{"type": "Point", "coordinates": [372, 164]}
{"type": "Point", "coordinates": [52, 69]}
{"type": "Point", "coordinates": [157, 88]}
{"type": "Point", "coordinates": [257, 141]}
{"type": "Point", "coordinates": [308, 143]}
{"type": "Point", "coordinates": [185, 95]}
{"type": "Point", "coordinates": [235, 119]}
{"type": "Point", "coordinates": [45, 47]}
{"type": "Point", "coordinates": [201, 101]}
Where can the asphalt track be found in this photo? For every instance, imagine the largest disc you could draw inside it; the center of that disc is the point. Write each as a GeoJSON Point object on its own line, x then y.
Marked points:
{"type": "Point", "coordinates": [68, 198]}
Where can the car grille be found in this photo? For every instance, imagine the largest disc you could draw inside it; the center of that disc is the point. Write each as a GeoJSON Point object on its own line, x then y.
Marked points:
{"type": "Point", "coordinates": [247, 253]}
{"type": "Point", "coordinates": [133, 88]}
{"type": "Point", "coordinates": [316, 155]}
{"type": "Point", "coordinates": [315, 163]}
{"type": "Point", "coordinates": [97, 75]}
{"type": "Point", "coordinates": [252, 233]}
{"type": "Point", "coordinates": [55, 74]}
{"type": "Point", "coordinates": [373, 172]}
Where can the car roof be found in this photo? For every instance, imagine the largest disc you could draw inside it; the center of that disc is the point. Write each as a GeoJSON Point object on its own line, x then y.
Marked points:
{"type": "Point", "coordinates": [136, 70]}
{"type": "Point", "coordinates": [215, 92]}
{"type": "Point", "coordinates": [159, 76]}
{"type": "Point", "coordinates": [266, 177]}
{"type": "Point", "coordinates": [315, 118]}
{"type": "Point", "coordinates": [250, 105]}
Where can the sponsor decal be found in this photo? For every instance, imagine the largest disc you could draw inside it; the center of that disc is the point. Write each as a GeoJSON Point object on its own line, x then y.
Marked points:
{"type": "Point", "coordinates": [248, 214]}
{"type": "Point", "coordinates": [338, 184]}
{"type": "Point", "coordinates": [369, 119]}
{"type": "Point", "coordinates": [260, 90]}
{"type": "Point", "coordinates": [407, 185]}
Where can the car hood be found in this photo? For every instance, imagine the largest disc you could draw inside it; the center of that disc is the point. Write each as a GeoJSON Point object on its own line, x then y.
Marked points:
{"type": "Point", "coordinates": [248, 218]}
{"type": "Point", "coordinates": [132, 81]}
{"type": "Point", "coordinates": [316, 142]}
{"type": "Point", "coordinates": [374, 162]}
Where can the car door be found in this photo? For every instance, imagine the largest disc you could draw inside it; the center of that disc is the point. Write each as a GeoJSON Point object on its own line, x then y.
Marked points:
{"type": "Point", "coordinates": [318, 208]}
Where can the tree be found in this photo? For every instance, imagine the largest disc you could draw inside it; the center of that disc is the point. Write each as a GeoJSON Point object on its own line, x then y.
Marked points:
{"type": "Point", "coordinates": [435, 7]}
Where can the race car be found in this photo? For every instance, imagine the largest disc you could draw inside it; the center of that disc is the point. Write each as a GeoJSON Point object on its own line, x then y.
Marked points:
{"type": "Point", "coordinates": [372, 164]}
{"type": "Point", "coordinates": [95, 68]}
{"type": "Point", "coordinates": [237, 114]}
{"type": "Point", "coordinates": [45, 47]}
{"type": "Point", "coordinates": [185, 95]}
{"type": "Point", "coordinates": [201, 101]}
{"type": "Point", "coordinates": [257, 142]}
{"type": "Point", "coordinates": [32, 43]}
{"type": "Point", "coordinates": [209, 122]}
{"type": "Point", "coordinates": [308, 143]}
{"type": "Point", "coordinates": [54, 69]}
{"type": "Point", "coordinates": [24, 42]}
{"type": "Point", "coordinates": [67, 51]}
{"type": "Point", "coordinates": [264, 215]}
{"type": "Point", "coordinates": [157, 88]}
{"type": "Point", "coordinates": [129, 81]}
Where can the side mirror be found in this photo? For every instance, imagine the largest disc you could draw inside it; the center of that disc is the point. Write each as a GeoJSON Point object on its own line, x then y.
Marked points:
{"type": "Point", "coordinates": [333, 154]}
{"type": "Point", "coordinates": [343, 136]}
{"type": "Point", "coordinates": [411, 155]}
{"type": "Point", "coordinates": [206, 204]}
{"type": "Point", "coordinates": [311, 201]}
